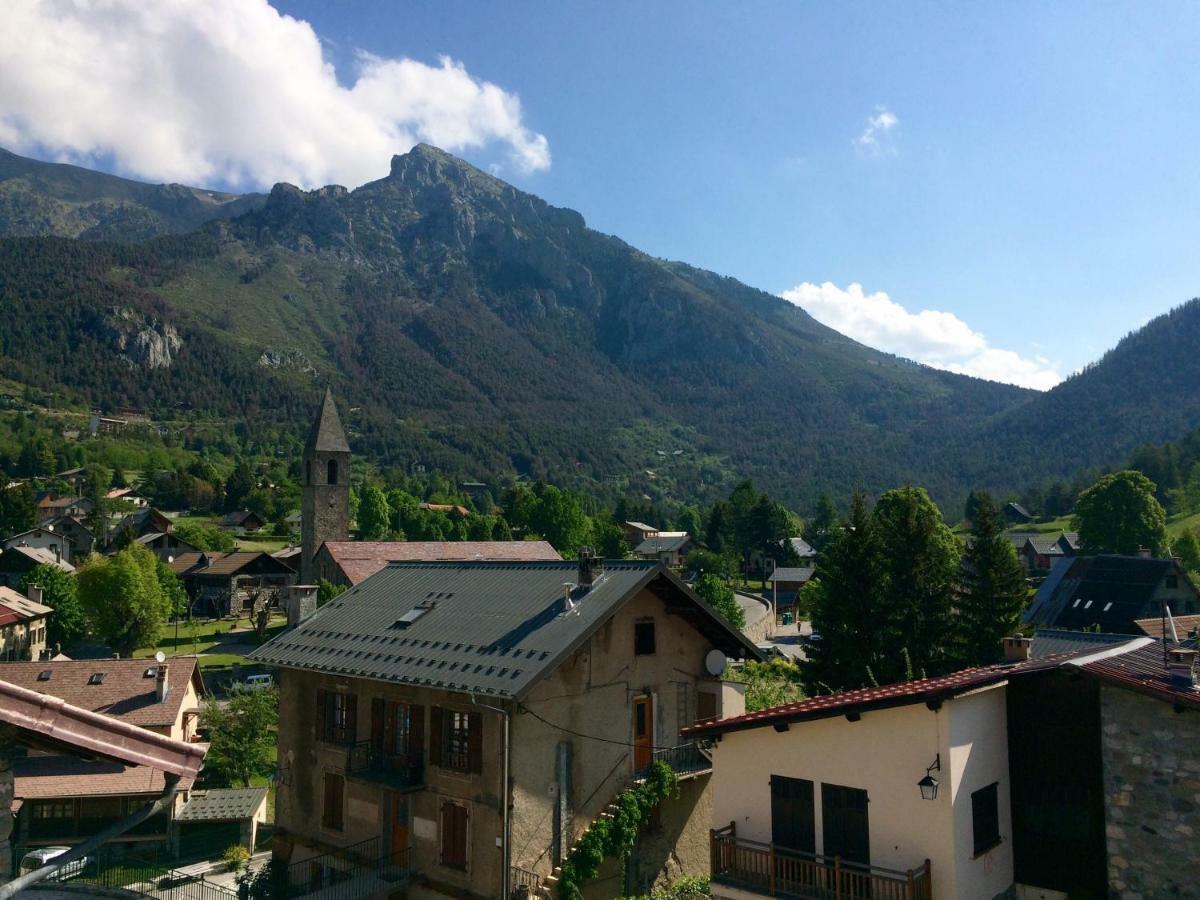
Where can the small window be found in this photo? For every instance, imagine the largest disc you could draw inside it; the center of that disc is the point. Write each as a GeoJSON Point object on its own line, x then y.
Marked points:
{"type": "Point", "coordinates": [458, 741]}
{"type": "Point", "coordinates": [44, 675]}
{"type": "Point", "coordinates": [455, 835]}
{"type": "Point", "coordinates": [1078, 600]}
{"type": "Point", "coordinates": [643, 638]}
{"type": "Point", "coordinates": [332, 472]}
{"type": "Point", "coordinates": [1107, 606]}
{"type": "Point", "coordinates": [96, 678]}
{"type": "Point", "coordinates": [331, 810]}
{"type": "Point", "coordinates": [1088, 605]}
{"type": "Point", "coordinates": [150, 672]}
{"type": "Point", "coordinates": [985, 817]}
{"type": "Point", "coordinates": [337, 721]}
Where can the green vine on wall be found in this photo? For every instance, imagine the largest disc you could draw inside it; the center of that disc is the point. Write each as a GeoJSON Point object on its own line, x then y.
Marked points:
{"type": "Point", "coordinates": [616, 836]}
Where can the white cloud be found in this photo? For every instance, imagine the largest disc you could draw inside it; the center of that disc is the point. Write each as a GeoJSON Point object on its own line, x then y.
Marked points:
{"type": "Point", "coordinates": [936, 338]}
{"type": "Point", "coordinates": [230, 91]}
{"type": "Point", "coordinates": [875, 139]}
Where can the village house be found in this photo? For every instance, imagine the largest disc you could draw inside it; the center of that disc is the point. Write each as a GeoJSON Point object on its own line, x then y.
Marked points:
{"type": "Point", "coordinates": [79, 537]}
{"type": "Point", "coordinates": [806, 554]}
{"type": "Point", "coordinates": [17, 562]}
{"type": "Point", "coordinates": [44, 538]}
{"type": "Point", "coordinates": [22, 624]}
{"type": "Point", "coordinates": [165, 546]}
{"type": "Point", "coordinates": [127, 495]}
{"type": "Point", "coordinates": [636, 532]}
{"type": "Point", "coordinates": [222, 582]}
{"type": "Point", "coordinates": [147, 520]}
{"type": "Point", "coordinates": [51, 506]}
{"type": "Point", "coordinates": [242, 521]}
{"type": "Point", "coordinates": [668, 547]}
{"type": "Point", "coordinates": [786, 582]}
{"type": "Point", "coordinates": [33, 723]}
{"type": "Point", "coordinates": [464, 723]}
{"type": "Point", "coordinates": [1015, 514]}
{"type": "Point", "coordinates": [1039, 552]}
{"type": "Point", "coordinates": [61, 799]}
{"type": "Point", "coordinates": [1111, 592]}
{"type": "Point", "coordinates": [1053, 777]}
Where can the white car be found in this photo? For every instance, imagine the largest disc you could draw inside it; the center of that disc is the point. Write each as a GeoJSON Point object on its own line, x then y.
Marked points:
{"type": "Point", "coordinates": [36, 859]}
{"type": "Point", "coordinates": [254, 683]}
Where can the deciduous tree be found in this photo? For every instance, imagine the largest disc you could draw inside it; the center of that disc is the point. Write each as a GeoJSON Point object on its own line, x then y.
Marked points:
{"type": "Point", "coordinates": [716, 593]}
{"type": "Point", "coordinates": [123, 599]}
{"type": "Point", "coordinates": [242, 736]}
{"type": "Point", "coordinates": [68, 624]}
{"type": "Point", "coordinates": [1119, 514]}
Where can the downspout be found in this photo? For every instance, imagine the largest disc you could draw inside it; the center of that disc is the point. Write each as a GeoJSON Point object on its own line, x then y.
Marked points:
{"type": "Point", "coordinates": [506, 887]}
{"type": "Point", "coordinates": [91, 844]}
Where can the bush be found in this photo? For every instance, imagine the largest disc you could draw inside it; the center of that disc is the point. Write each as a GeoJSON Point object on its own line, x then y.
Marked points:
{"type": "Point", "coordinates": [235, 856]}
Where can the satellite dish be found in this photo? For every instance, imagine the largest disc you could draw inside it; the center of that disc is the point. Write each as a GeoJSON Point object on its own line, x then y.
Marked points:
{"type": "Point", "coordinates": [162, 657]}
{"type": "Point", "coordinates": [714, 662]}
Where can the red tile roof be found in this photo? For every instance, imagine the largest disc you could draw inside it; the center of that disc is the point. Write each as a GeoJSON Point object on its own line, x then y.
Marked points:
{"type": "Point", "coordinates": [125, 693]}
{"type": "Point", "coordinates": [1142, 670]}
{"type": "Point", "coordinates": [942, 687]}
{"type": "Point", "coordinates": [50, 722]}
{"type": "Point", "coordinates": [359, 560]}
{"type": "Point", "coordinates": [16, 607]}
{"type": "Point", "coordinates": [44, 777]}
{"type": "Point", "coordinates": [1153, 626]}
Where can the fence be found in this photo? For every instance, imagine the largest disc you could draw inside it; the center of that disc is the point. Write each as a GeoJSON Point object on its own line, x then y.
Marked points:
{"type": "Point", "coordinates": [359, 870]}
{"type": "Point", "coordinates": [139, 876]}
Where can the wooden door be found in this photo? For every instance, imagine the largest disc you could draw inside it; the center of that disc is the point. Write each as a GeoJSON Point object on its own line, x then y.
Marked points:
{"type": "Point", "coordinates": [397, 821]}
{"type": "Point", "coordinates": [643, 732]}
{"type": "Point", "coordinates": [846, 831]}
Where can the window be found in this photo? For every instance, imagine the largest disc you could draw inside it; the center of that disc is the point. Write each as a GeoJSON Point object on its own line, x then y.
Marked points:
{"type": "Point", "coordinates": [337, 721]}
{"type": "Point", "coordinates": [453, 850]}
{"type": "Point", "coordinates": [44, 675]}
{"type": "Point", "coordinates": [96, 678]}
{"type": "Point", "coordinates": [643, 638]}
{"type": "Point", "coordinates": [331, 471]}
{"type": "Point", "coordinates": [456, 740]}
{"type": "Point", "coordinates": [397, 729]}
{"type": "Point", "coordinates": [331, 809]}
{"type": "Point", "coordinates": [55, 809]}
{"type": "Point", "coordinates": [985, 817]}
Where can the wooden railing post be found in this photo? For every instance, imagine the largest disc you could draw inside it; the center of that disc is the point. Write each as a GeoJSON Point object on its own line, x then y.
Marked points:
{"type": "Point", "coordinates": [837, 878]}
{"type": "Point", "coordinates": [771, 870]}
{"type": "Point", "coordinates": [928, 880]}
{"type": "Point", "coordinates": [909, 892]}
{"type": "Point", "coordinates": [713, 862]}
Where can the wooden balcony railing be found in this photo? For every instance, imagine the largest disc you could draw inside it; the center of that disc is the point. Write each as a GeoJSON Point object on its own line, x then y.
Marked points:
{"type": "Point", "coordinates": [367, 762]}
{"type": "Point", "coordinates": [777, 872]}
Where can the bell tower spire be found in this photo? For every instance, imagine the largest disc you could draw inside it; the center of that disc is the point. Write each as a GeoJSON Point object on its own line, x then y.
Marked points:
{"type": "Point", "coordinates": [325, 507]}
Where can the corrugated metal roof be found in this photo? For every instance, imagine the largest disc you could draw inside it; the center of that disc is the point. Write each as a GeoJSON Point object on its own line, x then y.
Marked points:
{"type": "Point", "coordinates": [1107, 591]}
{"type": "Point", "coordinates": [1143, 670]}
{"type": "Point", "coordinates": [1055, 641]}
{"type": "Point", "coordinates": [222, 805]}
{"type": "Point", "coordinates": [475, 627]}
{"type": "Point", "coordinates": [663, 544]}
{"type": "Point", "coordinates": [359, 560]}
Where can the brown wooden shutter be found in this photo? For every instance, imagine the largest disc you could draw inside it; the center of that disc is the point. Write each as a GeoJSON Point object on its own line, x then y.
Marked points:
{"type": "Point", "coordinates": [454, 835]}
{"type": "Point", "coordinates": [416, 729]}
{"type": "Point", "coordinates": [351, 718]}
{"type": "Point", "coordinates": [435, 735]}
{"type": "Point", "coordinates": [378, 736]}
{"type": "Point", "coordinates": [475, 743]}
{"type": "Point", "coordinates": [322, 715]}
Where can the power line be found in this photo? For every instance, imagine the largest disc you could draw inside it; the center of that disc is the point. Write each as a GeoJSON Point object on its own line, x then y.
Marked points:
{"type": "Point", "coordinates": [590, 737]}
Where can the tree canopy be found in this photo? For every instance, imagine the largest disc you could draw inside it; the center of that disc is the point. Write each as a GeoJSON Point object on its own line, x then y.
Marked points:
{"type": "Point", "coordinates": [242, 736]}
{"type": "Point", "coordinates": [68, 624]}
{"type": "Point", "coordinates": [124, 599]}
{"type": "Point", "coordinates": [993, 592]}
{"type": "Point", "coordinates": [1119, 514]}
{"type": "Point", "coordinates": [713, 590]}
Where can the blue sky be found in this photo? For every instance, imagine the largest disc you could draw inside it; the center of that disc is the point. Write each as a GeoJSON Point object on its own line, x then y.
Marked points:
{"type": "Point", "coordinates": [1025, 173]}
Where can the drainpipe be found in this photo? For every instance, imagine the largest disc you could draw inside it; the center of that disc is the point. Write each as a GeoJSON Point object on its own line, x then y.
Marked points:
{"type": "Point", "coordinates": [505, 799]}
{"type": "Point", "coordinates": [93, 843]}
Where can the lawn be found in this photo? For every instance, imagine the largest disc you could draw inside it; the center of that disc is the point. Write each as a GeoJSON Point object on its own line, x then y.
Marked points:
{"type": "Point", "coordinates": [212, 641]}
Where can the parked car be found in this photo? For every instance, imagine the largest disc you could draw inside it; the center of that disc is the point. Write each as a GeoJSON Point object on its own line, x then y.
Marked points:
{"type": "Point", "coordinates": [36, 859]}
{"type": "Point", "coordinates": [253, 683]}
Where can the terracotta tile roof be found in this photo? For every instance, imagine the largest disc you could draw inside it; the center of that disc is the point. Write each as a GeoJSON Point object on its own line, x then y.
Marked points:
{"type": "Point", "coordinates": [45, 777]}
{"type": "Point", "coordinates": [359, 560]}
{"type": "Point", "coordinates": [942, 687]}
{"type": "Point", "coordinates": [1153, 627]}
{"type": "Point", "coordinates": [50, 723]}
{"type": "Point", "coordinates": [125, 693]}
{"type": "Point", "coordinates": [1142, 670]}
{"type": "Point", "coordinates": [16, 607]}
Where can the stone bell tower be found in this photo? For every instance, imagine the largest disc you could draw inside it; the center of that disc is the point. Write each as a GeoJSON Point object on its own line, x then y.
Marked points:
{"type": "Point", "coordinates": [325, 507]}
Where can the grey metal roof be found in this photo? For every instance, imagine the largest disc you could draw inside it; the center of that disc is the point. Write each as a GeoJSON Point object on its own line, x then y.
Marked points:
{"type": "Point", "coordinates": [222, 805]}
{"type": "Point", "coordinates": [478, 627]}
{"type": "Point", "coordinates": [792, 573]}
{"type": "Point", "coordinates": [802, 547]}
{"type": "Point", "coordinates": [1053, 641]}
{"type": "Point", "coordinates": [669, 544]}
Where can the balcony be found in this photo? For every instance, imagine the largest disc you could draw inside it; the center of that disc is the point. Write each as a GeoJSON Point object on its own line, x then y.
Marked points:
{"type": "Point", "coordinates": [366, 762]}
{"type": "Point", "coordinates": [361, 870]}
{"type": "Point", "coordinates": [772, 871]}
{"type": "Point", "coordinates": [686, 761]}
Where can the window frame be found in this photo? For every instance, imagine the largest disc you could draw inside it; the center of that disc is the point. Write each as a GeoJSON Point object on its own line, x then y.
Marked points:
{"type": "Point", "coordinates": [463, 809]}
{"type": "Point", "coordinates": [985, 802]}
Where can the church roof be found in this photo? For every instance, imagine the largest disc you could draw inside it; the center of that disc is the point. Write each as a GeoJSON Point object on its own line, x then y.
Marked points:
{"type": "Point", "coordinates": [327, 434]}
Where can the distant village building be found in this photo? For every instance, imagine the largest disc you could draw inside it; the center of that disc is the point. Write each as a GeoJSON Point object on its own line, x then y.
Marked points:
{"type": "Point", "coordinates": [351, 562]}
{"type": "Point", "coordinates": [165, 546]}
{"type": "Point", "coordinates": [1015, 514]}
{"type": "Point", "coordinates": [46, 538]}
{"type": "Point", "coordinates": [476, 718]}
{"type": "Point", "coordinates": [78, 535]}
{"type": "Point", "coordinates": [668, 547]}
{"type": "Point", "coordinates": [636, 532]}
{"type": "Point", "coordinates": [17, 562]}
{"type": "Point", "coordinates": [222, 582]}
{"type": "Point", "coordinates": [22, 624]}
{"type": "Point", "coordinates": [1110, 593]}
{"type": "Point", "coordinates": [242, 521]}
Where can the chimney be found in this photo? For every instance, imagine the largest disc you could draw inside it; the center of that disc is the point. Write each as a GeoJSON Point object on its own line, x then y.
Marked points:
{"type": "Point", "coordinates": [301, 602]}
{"type": "Point", "coordinates": [1144, 552]}
{"type": "Point", "coordinates": [58, 552]}
{"type": "Point", "coordinates": [590, 567]}
{"type": "Point", "coordinates": [34, 593]}
{"type": "Point", "coordinates": [160, 683]}
{"type": "Point", "coordinates": [1181, 668]}
{"type": "Point", "coordinates": [1017, 648]}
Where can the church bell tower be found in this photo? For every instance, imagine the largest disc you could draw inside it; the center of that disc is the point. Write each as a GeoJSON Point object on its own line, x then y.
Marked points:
{"type": "Point", "coordinates": [325, 508]}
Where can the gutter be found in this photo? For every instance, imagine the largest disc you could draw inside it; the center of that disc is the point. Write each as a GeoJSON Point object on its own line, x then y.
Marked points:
{"type": "Point", "coordinates": [79, 851]}
{"type": "Point", "coordinates": [505, 886]}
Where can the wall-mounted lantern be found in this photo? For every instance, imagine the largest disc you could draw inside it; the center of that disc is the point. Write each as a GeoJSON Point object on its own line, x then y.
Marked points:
{"type": "Point", "coordinates": [929, 784]}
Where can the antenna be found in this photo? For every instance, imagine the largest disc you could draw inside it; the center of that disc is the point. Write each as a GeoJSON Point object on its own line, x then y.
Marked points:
{"type": "Point", "coordinates": [160, 657]}
{"type": "Point", "coordinates": [570, 606]}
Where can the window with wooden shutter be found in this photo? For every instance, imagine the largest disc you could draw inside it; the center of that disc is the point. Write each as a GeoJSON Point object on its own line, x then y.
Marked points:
{"type": "Point", "coordinates": [342, 719]}
{"type": "Point", "coordinates": [379, 725]}
{"type": "Point", "coordinates": [455, 821]}
{"type": "Point", "coordinates": [475, 743]}
{"type": "Point", "coordinates": [322, 715]}
{"type": "Point", "coordinates": [416, 730]}
{"type": "Point", "coordinates": [331, 810]}
{"type": "Point", "coordinates": [436, 715]}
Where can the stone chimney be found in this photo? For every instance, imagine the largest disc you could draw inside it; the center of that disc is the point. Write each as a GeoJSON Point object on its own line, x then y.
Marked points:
{"type": "Point", "coordinates": [590, 567]}
{"type": "Point", "coordinates": [1181, 668]}
{"type": "Point", "coordinates": [160, 683]}
{"type": "Point", "coordinates": [301, 602]}
{"type": "Point", "coordinates": [1144, 553]}
{"type": "Point", "coordinates": [34, 593]}
{"type": "Point", "coordinates": [1017, 648]}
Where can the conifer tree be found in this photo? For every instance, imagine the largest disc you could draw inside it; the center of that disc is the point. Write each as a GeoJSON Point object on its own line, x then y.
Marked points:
{"type": "Point", "coordinates": [993, 591]}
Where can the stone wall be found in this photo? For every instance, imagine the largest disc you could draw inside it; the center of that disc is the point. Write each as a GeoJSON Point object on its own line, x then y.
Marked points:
{"type": "Point", "coordinates": [1151, 795]}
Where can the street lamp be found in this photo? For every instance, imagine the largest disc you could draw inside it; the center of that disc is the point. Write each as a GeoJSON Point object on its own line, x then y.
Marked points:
{"type": "Point", "coordinates": [929, 784]}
